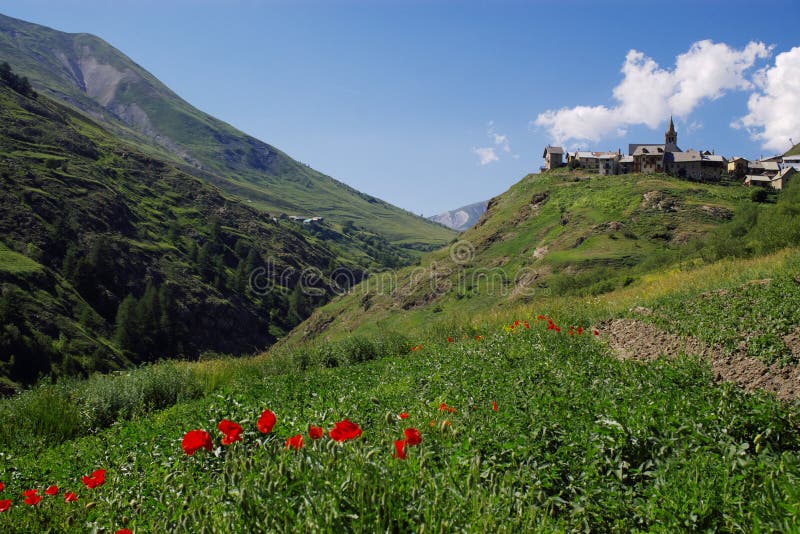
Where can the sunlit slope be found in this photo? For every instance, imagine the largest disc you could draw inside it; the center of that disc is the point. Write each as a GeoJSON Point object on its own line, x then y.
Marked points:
{"type": "Point", "coordinates": [553, 234]}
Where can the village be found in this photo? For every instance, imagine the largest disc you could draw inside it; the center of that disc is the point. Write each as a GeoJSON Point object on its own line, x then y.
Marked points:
{"type": "Point", "coordinates": [773, 172]}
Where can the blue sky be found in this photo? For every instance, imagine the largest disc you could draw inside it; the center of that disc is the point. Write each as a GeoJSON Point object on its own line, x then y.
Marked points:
{"type": "Point", "coordinates": [433, 105]}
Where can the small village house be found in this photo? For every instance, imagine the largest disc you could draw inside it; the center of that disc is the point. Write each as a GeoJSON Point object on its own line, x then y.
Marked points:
{"type": "Point", "coordinates": [791, 161]}
{"type": "Point", "coordinates": [737, 167]}
{"type": "Point", "coordinates": [777, 181]}
{"type": "Point", "coordinates": [553, 157]}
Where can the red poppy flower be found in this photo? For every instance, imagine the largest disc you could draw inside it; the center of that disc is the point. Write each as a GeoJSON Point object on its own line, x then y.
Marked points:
{"type": "Point", "coordinates": [2, 486]}
{"type": "Point", "coordinates": [494, 405]}
{"type": "Point", "coordinates": [295, 442]}
{"type": "Point", "coordinates": [540, 317]}
{"type": "Point", "coordinates": [558, 329]}
{"type": "Point", "coordinates": [52, 490]}
{"type": "Point", "coordinates": [403, 415]}
{"type": "Point", "coordinates": [400, 449]}
{"type": "Point", "coordinates": [571, 332]}
{"type": "Point", "coordinates": [580, 330]}
{"type": "Point", "coordinates": [526, 324]}
{"type": "Point", "coordinates": [5, 505]}
{"type": "Point", "coordinates": [231, 430]}
{"type": "Point", "coordinates": [315, 432]}
{"type": "Point", "coordinates": [31, 497]}
{"type": "Point", "coordinates": [98, 478]}
{"type": "Point", "coordinates": [478, 338]}
{"type": "Point", "coordinates": [516, 323]}
{"type": "Point", "coordinates": [70, 497]}
{"type": "Point", "coordinates": [445, 408]}
{"type": "Point", "coordinates": [344, 430]}
{"type": "Point", "coordinates": [124, 531]}
{"type": "Point", "coordinates": [551, 325]}
{"type": "Point", "coordinates": [596, 332]}
{"type": "Point", "coordinates": [194, 440]}
{"type": "Point", "coordinates": [266, 422]}
{"type": "Point", "coordinates": [449, 339]}
{"type": "Point", "coordinates": [413, 437]}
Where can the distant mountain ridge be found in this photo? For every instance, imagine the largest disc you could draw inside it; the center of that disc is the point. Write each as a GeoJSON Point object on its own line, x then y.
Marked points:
{"type": "Point", "coordinates": [85, 72]}
{"type": "Point", "coordinates": [462, 218]}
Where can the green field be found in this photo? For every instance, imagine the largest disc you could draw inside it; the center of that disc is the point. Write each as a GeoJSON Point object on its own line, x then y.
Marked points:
{"type": "Point", "coordinates": [579, 441]}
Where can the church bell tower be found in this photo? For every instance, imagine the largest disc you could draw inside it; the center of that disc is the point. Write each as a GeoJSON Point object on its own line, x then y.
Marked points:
{"type": "Point", "coordinates": [671, 136]}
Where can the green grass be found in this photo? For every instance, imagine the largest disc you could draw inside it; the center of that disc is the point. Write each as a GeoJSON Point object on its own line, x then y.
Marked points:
{"type": "Point", "coordinates": [759, 314]}
{"type": "Point", "coordinates": [580, 441]}
{"type": "Point", "coordinates": [15, 263]}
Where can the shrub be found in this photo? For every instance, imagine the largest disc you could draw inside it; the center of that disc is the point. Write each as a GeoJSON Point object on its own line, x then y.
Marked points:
{"type": "Point", "coordinates": [759, 195]}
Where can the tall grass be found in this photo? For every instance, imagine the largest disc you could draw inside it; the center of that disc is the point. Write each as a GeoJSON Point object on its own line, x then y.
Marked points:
{"type": "Point", "coordinates": [48, 414]}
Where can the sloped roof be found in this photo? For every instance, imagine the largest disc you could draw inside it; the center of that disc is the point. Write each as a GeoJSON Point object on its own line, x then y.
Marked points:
{"type": "Point", "coordinates": [686, 157]}
{"type": "Point", "coordinates": [648, 149]}
{"type": "Point", "coordinates": [552, 150]}
{"type": "Point", "coordinates": [757, 178]}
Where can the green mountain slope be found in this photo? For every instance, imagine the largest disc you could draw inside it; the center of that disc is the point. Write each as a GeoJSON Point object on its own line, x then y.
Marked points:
{"type": "Point", "coordinates": [551, 235]}
{"type": "Point", "coordinates": [794, 151]}
{"type": "Point", "coordinates": [86, 72]}
{"type": "Point", "coordinates": [110, 257]}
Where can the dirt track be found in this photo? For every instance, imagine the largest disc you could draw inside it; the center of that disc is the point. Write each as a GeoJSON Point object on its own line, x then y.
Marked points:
{"type": "Point", "coordinates": [632, 339]}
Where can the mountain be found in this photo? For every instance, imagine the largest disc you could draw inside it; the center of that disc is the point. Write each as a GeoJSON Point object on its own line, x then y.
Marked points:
{"type": "Point", "coordinates": [87, 73]}
{"type": "Point", "coordinates": [794, 151]}
{"type": "Point", "coordinates": [560, 234]}
{"type": "Point", "coordinates": [462, 218]}
{"type": "Point", "coordinates": [110, 257]}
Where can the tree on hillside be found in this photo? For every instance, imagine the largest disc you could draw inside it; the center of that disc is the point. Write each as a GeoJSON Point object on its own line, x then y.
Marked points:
{"type": "Point", "coordinates": [19, 84]}
{"type": "Point", "coordinates": [126, 330]}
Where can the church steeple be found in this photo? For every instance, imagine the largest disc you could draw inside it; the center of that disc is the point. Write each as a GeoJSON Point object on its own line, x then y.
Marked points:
{"type": "Point", "coordinates": [671, 137]}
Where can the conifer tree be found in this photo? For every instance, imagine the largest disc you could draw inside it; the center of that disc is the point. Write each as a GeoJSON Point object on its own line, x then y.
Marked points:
{"type": "Point", "coordinates": [125, 330]}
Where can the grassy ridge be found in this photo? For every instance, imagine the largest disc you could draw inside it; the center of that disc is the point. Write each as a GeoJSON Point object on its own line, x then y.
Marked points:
{"type": "Point", "coordinates": [579, 441]}
{"type": "Point", "coordinates": [555, 234]}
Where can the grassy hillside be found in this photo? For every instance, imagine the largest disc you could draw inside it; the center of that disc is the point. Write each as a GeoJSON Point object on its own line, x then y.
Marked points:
{"type": "Point", "coordinates": [794, 151]}
{"type": "Point", "coordinates": [86, 72]}
{"type": "Point", "coordinates": [110, 257]}
{"type": "Point", "coordinates": [527, 420]}
{"type": "Point", "coordinates": [552, 235]}
{"type": "Point", "coordinates": [578, 441]}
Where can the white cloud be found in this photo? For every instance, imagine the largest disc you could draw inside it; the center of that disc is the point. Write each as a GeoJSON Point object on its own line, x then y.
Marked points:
{"type": "Point", "coordinates": [648, 93]}
{"type": "Point", "coordinates": [486, 155]}
{"type": "Point", "coordinates": [774, 109]}
{"type": "Point", "coordinates": [489, 154]}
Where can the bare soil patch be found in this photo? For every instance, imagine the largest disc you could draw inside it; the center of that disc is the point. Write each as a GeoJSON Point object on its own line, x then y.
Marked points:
{"type": "Point", "coordinates": [633, 339]}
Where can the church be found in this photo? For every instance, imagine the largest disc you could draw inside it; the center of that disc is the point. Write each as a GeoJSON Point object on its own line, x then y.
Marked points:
{"type": "Point", "coordinates": [669, 158]}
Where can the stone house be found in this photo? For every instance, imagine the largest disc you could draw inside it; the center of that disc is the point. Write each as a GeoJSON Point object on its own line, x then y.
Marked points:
{"type": "Point", "coordinates": [553, 157]}
{"type": "Point", "coordinates": [777, 181]}
{"type": "Point", "coordinates": [737, 166]}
